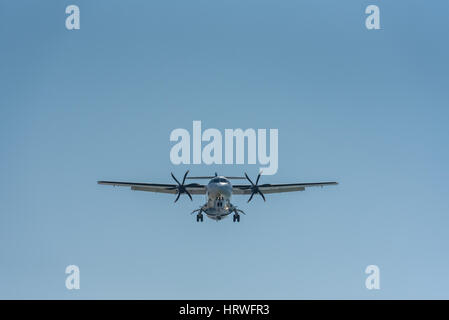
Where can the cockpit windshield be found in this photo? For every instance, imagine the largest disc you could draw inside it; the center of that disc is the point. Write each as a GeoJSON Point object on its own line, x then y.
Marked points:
{"type": "Point", "coordinates": [217, 180]}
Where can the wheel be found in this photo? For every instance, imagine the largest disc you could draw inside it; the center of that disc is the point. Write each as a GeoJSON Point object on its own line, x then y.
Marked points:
{"type": "Point", "coordinates": [238, 218]}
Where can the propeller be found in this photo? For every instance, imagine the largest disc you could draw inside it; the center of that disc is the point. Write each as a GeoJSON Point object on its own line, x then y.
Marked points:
{"type": "Point", "coordinates": [255, 187]}
{"type": "Point", "coordinates": [181, 187]}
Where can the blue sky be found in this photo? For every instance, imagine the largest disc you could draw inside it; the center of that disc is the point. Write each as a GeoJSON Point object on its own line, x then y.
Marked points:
{"type": "Point", "coordinates": [366, 108]}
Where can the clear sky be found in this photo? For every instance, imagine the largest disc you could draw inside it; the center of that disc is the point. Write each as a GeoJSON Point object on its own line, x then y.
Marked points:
{"type": "Point", "coordinates": [367, 108]}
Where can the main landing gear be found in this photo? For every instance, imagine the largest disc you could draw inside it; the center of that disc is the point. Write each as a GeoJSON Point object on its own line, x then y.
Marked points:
{"type": "Point", "coordinates": [236, 216]}
{"type": "Point", "coordinates": [199, 216]}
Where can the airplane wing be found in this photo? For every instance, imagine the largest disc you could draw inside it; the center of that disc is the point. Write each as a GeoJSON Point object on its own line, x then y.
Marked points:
{"type": "Point", "coordinates": [278, 188]}
{"type": "Point", "coordinates": [156, 187]}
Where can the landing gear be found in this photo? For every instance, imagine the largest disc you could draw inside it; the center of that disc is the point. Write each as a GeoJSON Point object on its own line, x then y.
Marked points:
{"type": "Point", "coordinates": [199, 216]}
{"type": "Point", "coordinates": [236, 216]}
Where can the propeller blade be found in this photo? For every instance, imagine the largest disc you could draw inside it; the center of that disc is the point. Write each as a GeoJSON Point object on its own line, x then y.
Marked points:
{"type": "Point", "coordinates": [255, 188]}
{"type": "Point", "coordinates": [185, 176]}
{"type": "Point", "coordinates": [258, 177]}
{"type": "Point", "coordinates": [181, 188]}
{"type": "Point", "coordinates": [249, 179]}
{"type": "Point", "coordinates": [173, 176]}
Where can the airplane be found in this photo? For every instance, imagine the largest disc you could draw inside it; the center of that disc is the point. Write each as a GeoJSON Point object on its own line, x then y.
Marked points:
{"type": "Point", "coordinates": [218, 192]}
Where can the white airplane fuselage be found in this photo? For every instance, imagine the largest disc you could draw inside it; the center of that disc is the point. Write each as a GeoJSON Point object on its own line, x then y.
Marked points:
{"type": "Point", "coordinates": [218, 198]}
